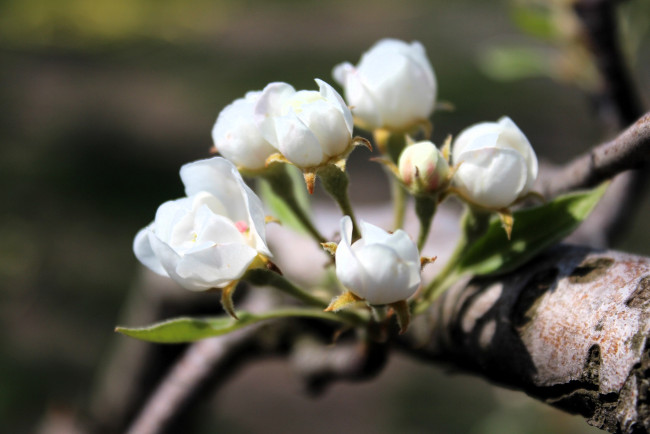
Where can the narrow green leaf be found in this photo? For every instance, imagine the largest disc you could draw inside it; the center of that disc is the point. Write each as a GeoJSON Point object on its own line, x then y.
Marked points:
{"type": "Point", "coordinates": [294, 185]}
{"type": "Point", "coordinates": [188, 329]}
{"type": "Point", "coordinates": [534, 230]}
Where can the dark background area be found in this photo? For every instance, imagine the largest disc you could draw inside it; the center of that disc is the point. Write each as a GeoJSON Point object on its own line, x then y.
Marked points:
{"type": "Point", "coordinates": [103, 101]}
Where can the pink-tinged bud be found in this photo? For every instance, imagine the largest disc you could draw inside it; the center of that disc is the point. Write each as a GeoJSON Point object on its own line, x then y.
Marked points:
{"type": "Point", "coordinates": [422, 168]}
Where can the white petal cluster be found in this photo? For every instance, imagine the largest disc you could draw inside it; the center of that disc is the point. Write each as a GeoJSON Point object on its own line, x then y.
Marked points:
{"type": "Point", "coordinates": [392, 87]}
{"type": "Point", "coordinates": [237, 137]}
{"type": "Point", "coordinates": [307, 127]}
{"type": "Point", "coordinates": [422, 167]}
{"type": "Point", "coordinates": [209, 238]}
{"type": "Point", "coordinates": [380, 267]}
{"type": "Point", "coordinates": [497, 163]}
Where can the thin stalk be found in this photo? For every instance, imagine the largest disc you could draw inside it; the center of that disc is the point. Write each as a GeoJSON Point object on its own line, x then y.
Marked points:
{"type": "Point", "coordinates": [391, 145]}
{"type": "Point", "coordinates": [425, 208]}
{"type": "Point", "coordinates": [283, 186]}
{"type": "Point", "coordinates": [335, 182]}
{"type": "Point", "coordinates": [398, 194]}
{"type": "Point", "coordinates": [474, 225]}
{"type": "Point", "coordinates": [344, 318]}
{"type": "Point", "coordinates": [264, 277]}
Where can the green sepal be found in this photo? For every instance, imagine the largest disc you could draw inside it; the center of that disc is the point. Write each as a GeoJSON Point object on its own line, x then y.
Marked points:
{"type": "Point", "coordinates": [534, 230]}
{"type": "Point", "coordinates": [403, 313]}
{"type": "Point", "coordinates": [226, 299]}
{"type": "Point", "coordinates": [343, 301]}
{"type": "Point", "coordinates": [189, 329]}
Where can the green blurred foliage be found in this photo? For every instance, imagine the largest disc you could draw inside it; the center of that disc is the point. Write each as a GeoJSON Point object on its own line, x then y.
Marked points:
{"type": "Point", "coordinates": [83, 23]}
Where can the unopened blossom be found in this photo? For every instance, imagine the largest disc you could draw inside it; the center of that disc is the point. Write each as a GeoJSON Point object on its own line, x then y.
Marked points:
{"type": "Point", "coordinates": [380, 267]}
{"type": "Point", "coordinates": [496, 163]}
{"type": "Point", "coordinates": [309, 128]}
{"type": "Point", "coordinates": [393, 86]}
{"type": "Point", "coordinates": [423, 168]}
{"type": "Point", "coordinates": [209, 238]}
{"type": "Point", "coordinates": [237, 137]}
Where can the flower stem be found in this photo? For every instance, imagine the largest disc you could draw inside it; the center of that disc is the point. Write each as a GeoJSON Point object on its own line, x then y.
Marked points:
{"type": "Point", "coordinates": [336, 181]}
{"type": "Point", "coordinates": [474, 224]}
{"type": "Point", "coordinates": [398, 194]}
{"type": "Point", "coordinates": [425, 208]}
{"type": "Point", "coordinates": [392, 145]}
{"type": "Point", "coordinates": [314, 313]}
{"type": "Point", "coordinates": [283, 186]}
{"type": "Point", "coordinates": [264, 277]}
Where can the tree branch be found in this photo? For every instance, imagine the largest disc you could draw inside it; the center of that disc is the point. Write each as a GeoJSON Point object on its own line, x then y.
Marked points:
{"type": "Point", "coordinates": [188, 378]}
{"type": "Point", "coordinates": [629, 150]}
{"type": "Point", "coordinates": [618, 105]}
{"type": "Point", "coordinates": [570, 329]}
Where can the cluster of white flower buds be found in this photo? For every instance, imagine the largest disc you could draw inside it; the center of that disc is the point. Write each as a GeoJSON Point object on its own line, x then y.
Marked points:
{"type": "Point", "coordinates": [210, 238]}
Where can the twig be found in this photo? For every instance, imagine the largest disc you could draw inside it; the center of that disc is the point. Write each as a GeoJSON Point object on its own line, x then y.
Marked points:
{"type": "Point", "coordinates": [618, 105]}
{"type": "Point", "coordinates": [321, 365]}
{"type": "Point", "coordinates": [187, 377]}
{"type": "Point", "coordinates": [190, 377]}
{"type": "Point", "coordinates": [629, 150]}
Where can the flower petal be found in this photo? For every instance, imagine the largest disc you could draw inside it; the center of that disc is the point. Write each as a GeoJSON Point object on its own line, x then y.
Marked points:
{"type": "Point", "coordinates": [492, 177]}
{"type": "Point", "coordinates": [380, 267]}
{"type": "Point", "coordinates": [270, 105]}
{"type": "Point", "coordinates": [333, 97]}
{"type": "Point", "coordinates": [393, 83]}
{"type": "Point", "coordinates": [144, 252]}
{"type": "Point", "coordinates": [296, 141]}
{"type": "Point", "coordinates": [216, 266]}
{"type": "Point", "coordinates": [328, 126]}
{"type": "Point", "coordinates": [348, 269]}
{"type": "Point", "coordinates": [513, 137]}
{"type": "Point", "coordinates": [387, 276]}
{"type": "Point", "coordinates": [237, 137]}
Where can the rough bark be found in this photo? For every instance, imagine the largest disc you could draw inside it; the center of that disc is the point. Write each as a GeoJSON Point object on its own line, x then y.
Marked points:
{"type": "Point", "coordinates": [570, 329]}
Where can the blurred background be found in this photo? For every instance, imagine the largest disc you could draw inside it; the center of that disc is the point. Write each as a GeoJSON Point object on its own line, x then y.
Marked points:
{"type": "Point", "coordinates": [103, 101]}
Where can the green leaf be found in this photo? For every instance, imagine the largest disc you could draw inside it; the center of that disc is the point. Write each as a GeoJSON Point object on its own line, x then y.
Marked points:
{"type": "Point", "coordinates": [534, 230]}
{"type": "Point", "coordinates": [292, 182]}
{"type": "Point", "coordinates": [514, 63]}
{"type": "Point", "coordinates": [188, 329]}
{"type": "Point", "coordinates": [536, 21]}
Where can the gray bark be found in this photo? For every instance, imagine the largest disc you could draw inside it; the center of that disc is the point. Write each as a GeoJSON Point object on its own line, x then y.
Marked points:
{"type": "Point", "coordinates": [570, 329]}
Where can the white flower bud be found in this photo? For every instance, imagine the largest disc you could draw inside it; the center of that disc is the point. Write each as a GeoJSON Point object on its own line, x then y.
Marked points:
{"type": "Point", "coordinates": [381, 268]}
{"type": "Point", "coordinates": [307, 127]}
{"type": "Point", "coordinates": [392, 87]}
{"type": "Point", "coordinates": [497, 163]}
{"type": "Point", "coordinates": [237, 137]}
{"type": "Point", "coordinates": [210, 238]}
{"type": "Point", "coordinates": [423, 168]}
